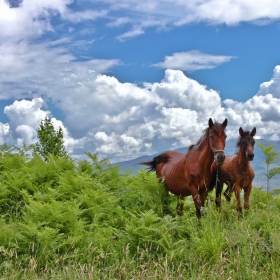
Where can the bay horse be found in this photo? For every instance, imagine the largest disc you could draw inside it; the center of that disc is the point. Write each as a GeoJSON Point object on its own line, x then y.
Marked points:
{"type": "Point", "coordinates": [189, 173]}
{"type": "Point", "coordinates": [237, 172]}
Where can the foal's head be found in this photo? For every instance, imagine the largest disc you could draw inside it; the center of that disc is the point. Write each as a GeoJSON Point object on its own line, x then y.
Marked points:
{"type": "Point", "coordinates": [217, 140]}
{"type": "Point", "coordinates": [246, 142]}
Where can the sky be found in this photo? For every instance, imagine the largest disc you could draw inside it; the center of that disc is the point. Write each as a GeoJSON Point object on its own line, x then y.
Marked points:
{"type": "Point", "coordinates": [130, 78]}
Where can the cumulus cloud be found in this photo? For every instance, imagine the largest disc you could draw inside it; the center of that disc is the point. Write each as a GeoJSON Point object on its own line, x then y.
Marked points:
{"type": "Point", "coordinates": [5, 133]}
{"type": "Point", "coordinates": [29, 20]}
{"type": "Point", "coordinates": [262, 112]}
{"type": "Point", "coordinates": [25, 117]}
{"type": "Point", "coordinates": [272, 86]}
{"type": "Point", "coordinates": [121, 120]}
{"type": "Point", "coordinates": [192, 60]}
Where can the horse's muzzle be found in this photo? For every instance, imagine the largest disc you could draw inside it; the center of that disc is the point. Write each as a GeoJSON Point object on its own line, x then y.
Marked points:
{"type": "Point", "coordinates": [220, 158]}
{"type": "Point", "coordinates": [250, 157]}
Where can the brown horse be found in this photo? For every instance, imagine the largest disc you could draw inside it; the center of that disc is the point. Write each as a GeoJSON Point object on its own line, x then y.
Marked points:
{"type": "Point", "coordinates": [190, 173]}
{"type": "Point", "coordinates": [237, 172]}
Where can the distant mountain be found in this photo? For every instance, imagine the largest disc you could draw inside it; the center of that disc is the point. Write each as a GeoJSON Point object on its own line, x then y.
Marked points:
{"type": "Point", "coordinates": [258, 162]}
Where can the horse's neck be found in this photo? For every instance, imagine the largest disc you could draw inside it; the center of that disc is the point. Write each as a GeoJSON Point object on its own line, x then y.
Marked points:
{"type": "Point", "coordinates": [206, 154]}
{"type": "Point", "coordinates": [243, 161]}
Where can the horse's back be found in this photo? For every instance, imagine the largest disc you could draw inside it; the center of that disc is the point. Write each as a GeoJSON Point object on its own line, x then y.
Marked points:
{"type": "Point", "coordinates": [173, 171]}
{"type": "Point", "coordinates": [174, 158]}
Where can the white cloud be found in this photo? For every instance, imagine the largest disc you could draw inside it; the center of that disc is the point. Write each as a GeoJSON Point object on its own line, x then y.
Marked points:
{"type": "Point", "coordinates": [5, 133]}
{"type": "Point", "coordinates": [272, 86]}
{"type": "Point", "coordinates": [193, 60]}
{"type": "Point", "coordinates": [34, 18]}
{"type": "Point", "coordinates": [180, 91]}
{"type": "Point", "coordinates": [263, 112]}
{"type": "Point", "coordinates": [231, 12]}
{"type": "Point", "coordinates": [26, 112]}
{"type": "Point", "coordinates": [122, 120]}
{"type": "Point", "coordinates": [50, 69]}
{"type": "Point", "coordinates": [136, 31]}
{"type": "Point", "coordinates": [25, 117]}
{"type": "Point", "coordinates": [30, 20]}
{"type": "Point", "coordinates": [164, 13]}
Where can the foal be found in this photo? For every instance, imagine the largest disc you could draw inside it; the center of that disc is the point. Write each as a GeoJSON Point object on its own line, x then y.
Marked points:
{"type": "Point", "coordinates": [237, 172]}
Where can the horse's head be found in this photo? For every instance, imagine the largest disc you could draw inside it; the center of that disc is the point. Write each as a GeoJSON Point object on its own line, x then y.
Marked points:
{"type": "Point", "coordinates": [246, 142]}
{"type": "Point", "coordinates": [217, 140]}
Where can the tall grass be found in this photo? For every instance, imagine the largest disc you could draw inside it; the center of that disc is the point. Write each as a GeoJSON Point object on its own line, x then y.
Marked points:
{"type": "Point", "coordinates": [69, 219]}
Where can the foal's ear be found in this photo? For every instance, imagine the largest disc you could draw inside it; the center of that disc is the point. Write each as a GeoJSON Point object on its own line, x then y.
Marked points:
{"type": "Point", "coordinates": [253, 132]}
{"type": "Point", "coordinates": [210, 123]}
{"type": "Point", "coordinates": [225, 123]}
{"type": "Point", "coordinates": [241, 132]}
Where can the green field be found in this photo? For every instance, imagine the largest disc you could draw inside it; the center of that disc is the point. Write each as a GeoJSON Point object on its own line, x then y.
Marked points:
{"type": "Point", "coordinates": [67, 219]}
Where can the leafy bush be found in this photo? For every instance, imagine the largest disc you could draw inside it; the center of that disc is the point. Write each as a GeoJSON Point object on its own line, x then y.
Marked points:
{"type": "Point", "coordinates": [67, 219]}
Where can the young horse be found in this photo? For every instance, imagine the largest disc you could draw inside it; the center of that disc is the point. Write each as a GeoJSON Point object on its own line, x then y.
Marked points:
{"type": "Point", "coordinates": [190, 173]}
{"type": "Point", "coordinates": [237, 172]}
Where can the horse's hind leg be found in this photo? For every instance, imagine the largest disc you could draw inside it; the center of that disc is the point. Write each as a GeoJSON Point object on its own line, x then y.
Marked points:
{"type": "Point", "coordinates": [180, 205]}
{"type": "Point", "coordinates": [165, 201]}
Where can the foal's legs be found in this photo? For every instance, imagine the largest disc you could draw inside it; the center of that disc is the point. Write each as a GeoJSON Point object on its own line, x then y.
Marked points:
{"type": "Point", "coordinates": [228, 191]}
{"type": "Point", "coordinates": [237, 191]}
{"type": "Point", "coordinates": [247, 192]}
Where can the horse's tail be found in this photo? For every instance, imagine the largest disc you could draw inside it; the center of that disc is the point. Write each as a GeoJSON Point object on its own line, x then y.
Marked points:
{"type": "Point", "coordinates": [156, 160]}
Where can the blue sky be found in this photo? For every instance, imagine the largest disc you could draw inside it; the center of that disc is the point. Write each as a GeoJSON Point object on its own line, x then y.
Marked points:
{"type": "Point", "coordinates": [127, 78]}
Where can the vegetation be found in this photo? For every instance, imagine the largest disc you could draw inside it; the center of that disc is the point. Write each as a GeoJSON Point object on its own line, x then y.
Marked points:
{"type": "Point", "coordinates": [66, 219]}
{"type": "Point", "coordinates": [50, 141]}
{"type": "Point", "coordinates": [271, 156]}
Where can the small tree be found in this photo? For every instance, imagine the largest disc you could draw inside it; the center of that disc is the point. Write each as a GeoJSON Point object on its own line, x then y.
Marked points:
{"type": "Point", "coordinates": [50, 140]}
{"type": "Point", "coordinates": [271, 156]}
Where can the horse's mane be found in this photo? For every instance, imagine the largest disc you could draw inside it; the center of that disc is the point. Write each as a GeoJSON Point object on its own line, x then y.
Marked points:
{"type": "Point", "coordinates": [217, 127]}
{"type": "Point", "coordinates": [203, 136]}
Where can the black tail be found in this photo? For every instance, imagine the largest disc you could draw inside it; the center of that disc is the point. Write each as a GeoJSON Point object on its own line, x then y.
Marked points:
{"type": "Point", "coordinates": [156, 160]}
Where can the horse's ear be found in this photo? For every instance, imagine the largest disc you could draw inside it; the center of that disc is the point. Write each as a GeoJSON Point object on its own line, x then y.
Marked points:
{"type": "Point", "coordinates": [225, 123]}
{"type": "Point", "coordinates": [253, 132]}
{"type": "Point", "coordinates": [210, 123]}
{"type": "Point", "coordinates": [241, 132]}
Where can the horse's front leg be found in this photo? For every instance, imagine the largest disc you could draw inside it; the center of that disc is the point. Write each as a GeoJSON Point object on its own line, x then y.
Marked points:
{"type": "Point", "coordinates": [197, 201]}
{"type": "Point", "coordinates": [218, 199]}
{"type": "Point", "coordinates": [237, 191]}
{"type": "Point", "coordinates": [180, 205]}
{"type": "Point", "coordinates": [247, 192]}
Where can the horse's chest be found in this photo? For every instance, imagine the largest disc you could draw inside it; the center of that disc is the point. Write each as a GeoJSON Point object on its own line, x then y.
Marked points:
{"type": "Point", "coordinates": [245, 177]}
